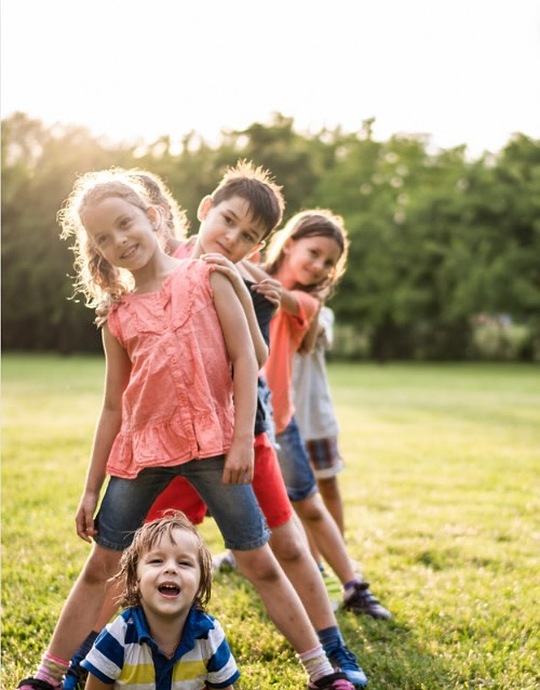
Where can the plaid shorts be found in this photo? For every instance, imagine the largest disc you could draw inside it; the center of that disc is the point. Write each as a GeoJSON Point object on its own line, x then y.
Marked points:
{"type": "Point", "coordinates": [325, 457]}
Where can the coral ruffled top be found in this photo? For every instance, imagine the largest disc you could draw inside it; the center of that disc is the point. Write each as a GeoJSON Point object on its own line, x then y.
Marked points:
{"type": "Point", "coordinates": [178, 403]}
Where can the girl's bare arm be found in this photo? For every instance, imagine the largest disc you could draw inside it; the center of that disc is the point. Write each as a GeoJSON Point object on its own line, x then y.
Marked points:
{"type": "Point", "coordinates": [310, 338]}
{"type": "Point", "coordinates": [118, 368]}
{"type": "Point", "coordinates": [229, 269]}
{"type": "Point", "coordinates": [239, 461]}
{"type": "Point", "coordinates": [288, 299]}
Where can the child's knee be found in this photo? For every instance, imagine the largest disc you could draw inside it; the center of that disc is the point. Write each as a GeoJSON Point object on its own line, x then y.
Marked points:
{"type": "Point", "coordinates": [258, 564]}
{"type": "Point", "coordinates": [289, 548]}
{"type": "Point", "coordinates": [102, 564]}
{"type": "Point", "coordinates": [310, 510]}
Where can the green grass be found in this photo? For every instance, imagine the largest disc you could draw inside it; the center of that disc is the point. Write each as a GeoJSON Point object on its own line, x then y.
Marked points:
{"type": "Point", "coordinates": [442, 508]}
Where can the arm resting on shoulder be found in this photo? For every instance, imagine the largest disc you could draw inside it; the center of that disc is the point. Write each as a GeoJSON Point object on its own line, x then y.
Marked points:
{"type": "Point", "coordinates": [239, 461]}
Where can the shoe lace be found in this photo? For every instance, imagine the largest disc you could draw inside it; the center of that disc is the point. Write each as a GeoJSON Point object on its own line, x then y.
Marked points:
{"type": "Point", "coordinates": [344, 658]}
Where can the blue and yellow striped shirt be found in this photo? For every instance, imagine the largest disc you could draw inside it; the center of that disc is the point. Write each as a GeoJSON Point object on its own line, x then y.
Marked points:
{"type": "Point", "coordinates": [125, 656]}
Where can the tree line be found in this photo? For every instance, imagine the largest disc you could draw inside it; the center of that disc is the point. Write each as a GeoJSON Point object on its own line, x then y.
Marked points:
{"type": "Point", "coordinates": [444, 260]}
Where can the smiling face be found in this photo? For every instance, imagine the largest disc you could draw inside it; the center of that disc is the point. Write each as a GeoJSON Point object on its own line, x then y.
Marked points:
{"type": "Point", "coordinates": [308, 261]}
{"type": "Point", "coordinates": [169, 576]}
{"type": "Point", "coordinates": [228, 228]}
{"type": "Point", "coordinates": [122, 232]}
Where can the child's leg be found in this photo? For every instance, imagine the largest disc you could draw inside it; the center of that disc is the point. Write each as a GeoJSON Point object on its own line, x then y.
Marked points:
{"type": "Point", "coordinates": [331, 496]}
{"type": "Point", "coordinates": [79, 613]}
{"type": "Point", "coordinates": [327, 463]}
{"type": "Point", "coordinates": [76, 674]}
{"type": "Point", "coordinates": [303, 492]}
{"type": "Point", "coordinates": [292, 552]}
{"type": "Point", "coordinates": [326, 535]}
{"type": "Point", "coordinates": [123, 508]}
{"type": "Point", "coordinates": [238, 516]}
{"type": "Point", "coordinates": [288, 539]}
{"type": "Point", "coordinates": [279, 598]}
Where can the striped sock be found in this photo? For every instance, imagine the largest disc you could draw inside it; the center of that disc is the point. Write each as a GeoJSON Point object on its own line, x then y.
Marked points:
{"type": "Point", "coordinates": [52, 670]}
{"type": "Point", "coordinates": [316, 663]}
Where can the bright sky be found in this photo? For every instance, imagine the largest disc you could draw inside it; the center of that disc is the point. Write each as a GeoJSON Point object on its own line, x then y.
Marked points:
{"type": "Point", "coordinates": [460, 71]}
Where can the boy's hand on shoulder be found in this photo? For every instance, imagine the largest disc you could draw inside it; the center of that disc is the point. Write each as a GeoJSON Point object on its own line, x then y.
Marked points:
{"type": "Point", "coordinates": [222, 263]}
{"type": "Point", "coordinates": [271, 289]}
{"type": "Point", "coordinates": [227, 268]}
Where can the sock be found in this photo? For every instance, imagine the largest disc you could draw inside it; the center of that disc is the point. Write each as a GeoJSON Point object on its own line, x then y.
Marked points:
{"type": "Point", "coordinates": [316, 663]}
{"type": "Point", "coordinates": [84, 648]}
{"type": "Point", "coordinates": [52, 670]}
{"type": "Point", "coordinates": [330, 638]}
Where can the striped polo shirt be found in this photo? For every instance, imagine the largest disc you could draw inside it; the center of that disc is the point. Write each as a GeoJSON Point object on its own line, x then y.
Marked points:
{"type": "Point", "coordinates": [124, 655]}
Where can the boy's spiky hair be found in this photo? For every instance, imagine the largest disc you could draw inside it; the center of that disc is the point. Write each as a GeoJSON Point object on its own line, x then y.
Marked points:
{"type": "Point", "coordinates": [256, 185]}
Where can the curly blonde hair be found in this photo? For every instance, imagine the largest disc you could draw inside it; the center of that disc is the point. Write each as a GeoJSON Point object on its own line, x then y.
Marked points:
{"type": "Point", "coordinates": [97, 279]}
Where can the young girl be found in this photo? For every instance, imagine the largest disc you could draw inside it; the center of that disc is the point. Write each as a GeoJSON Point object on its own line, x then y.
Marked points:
{"type": "Point", "coordinates": [166, 579]}
{"type": "Point", "coordinates": [174, 335]}
{"type": "Point", "coordinates": [308, 257]}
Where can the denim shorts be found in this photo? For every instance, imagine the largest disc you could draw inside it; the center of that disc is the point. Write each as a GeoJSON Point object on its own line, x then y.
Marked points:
{"type": "Point", "coordinates": [233, 506]}
{"type": "Point", "coordinates": [294, 462]}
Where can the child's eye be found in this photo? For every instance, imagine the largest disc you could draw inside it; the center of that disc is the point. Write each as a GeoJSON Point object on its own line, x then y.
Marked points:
{"type": "Point", "coordinates": [248, 238]}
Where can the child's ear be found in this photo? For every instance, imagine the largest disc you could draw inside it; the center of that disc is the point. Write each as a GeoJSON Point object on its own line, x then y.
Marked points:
{"type": "Point", "coordinates": [287, 245]}
{"type": "Point", "coordinates": [154, 216]}
{"type": "Point", "coordinates": [205, 206]}
{"type": "Point", "coordinates": [259, 247]}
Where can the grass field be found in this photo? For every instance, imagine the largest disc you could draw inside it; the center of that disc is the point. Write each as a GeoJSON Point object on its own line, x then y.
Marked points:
{"type": "Point", "coordinates": [442, 506]}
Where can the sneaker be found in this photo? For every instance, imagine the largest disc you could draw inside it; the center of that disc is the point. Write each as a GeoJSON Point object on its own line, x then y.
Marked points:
{"type": "Point", "coordinates": [342, 659]}
{"type": "Point", "coordinates": [37, 684]}
{"type": "Point", "coordinates": [335, 681]}
{"type": "Point", "coordinates": [75, 678]}
{"type": "Point", "coordinates": [224, 561]}
{"type": "Point", "coordinates": [362, 600]}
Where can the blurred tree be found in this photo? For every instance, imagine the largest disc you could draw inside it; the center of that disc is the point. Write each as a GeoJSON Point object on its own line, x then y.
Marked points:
{"type": "Point", "coordinates": [436, 239]}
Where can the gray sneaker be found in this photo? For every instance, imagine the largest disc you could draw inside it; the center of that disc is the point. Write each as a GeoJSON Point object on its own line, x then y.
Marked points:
{"type": "Point", "coordinates": [224, 561]}
{"type": "Point", "coordinates": [362, 600]}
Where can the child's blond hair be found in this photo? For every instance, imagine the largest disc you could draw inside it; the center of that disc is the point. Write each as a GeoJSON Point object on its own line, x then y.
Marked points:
{"type": "Point", "coordinates": [96, 278]}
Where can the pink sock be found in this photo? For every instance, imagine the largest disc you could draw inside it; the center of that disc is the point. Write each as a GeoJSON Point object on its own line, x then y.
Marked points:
{"type": "Point", "coordinates": [52, 670]}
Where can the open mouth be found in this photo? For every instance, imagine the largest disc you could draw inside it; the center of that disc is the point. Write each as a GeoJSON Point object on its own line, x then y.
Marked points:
{"type": "Point", "coordinates": [169, 589]}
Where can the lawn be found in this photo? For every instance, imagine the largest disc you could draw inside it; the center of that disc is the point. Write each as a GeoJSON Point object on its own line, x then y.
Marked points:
{"type": "Point", "coordinates": [442, 507]}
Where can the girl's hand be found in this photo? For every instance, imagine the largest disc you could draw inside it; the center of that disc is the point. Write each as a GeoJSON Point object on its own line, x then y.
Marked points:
{"type": "Point", "coordinates": [84, 519]}
{"type": "Point", "coordinates": [239, 463]}
{"type": "Point", "coordinates": [271, 289]}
